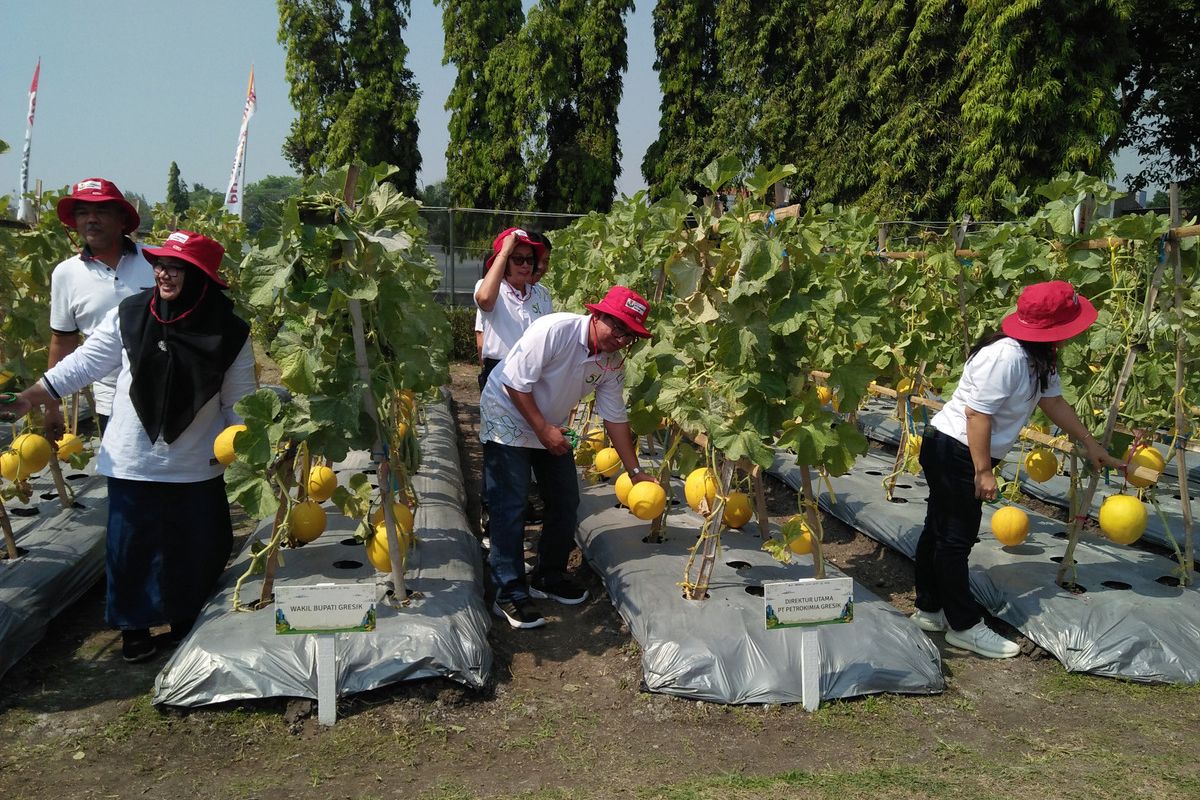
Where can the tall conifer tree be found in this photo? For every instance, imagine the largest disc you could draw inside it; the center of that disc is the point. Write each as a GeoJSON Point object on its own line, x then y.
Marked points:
{"type": "Point", "coordinates": [355, 99]}
{"type": "Point", "coordinates": [488, 104]}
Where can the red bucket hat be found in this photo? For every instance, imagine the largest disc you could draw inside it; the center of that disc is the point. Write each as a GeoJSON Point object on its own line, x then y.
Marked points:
{"type": "Point", "coordinates": [200, 251]}
{"type": "Point", "coordinates": [626, 305]}
{"type": "Point", "coordinates": [1049, 312]}
{"type": "Point", "coordinates": [96, 190]}
{"type": "Point", "coordinates": [539, 248]}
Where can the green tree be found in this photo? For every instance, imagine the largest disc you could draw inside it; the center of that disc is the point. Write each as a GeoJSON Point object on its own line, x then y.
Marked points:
{"type": "Point", "coordinates": [1038, 94]}
{"type": "Point", "coordinates": [687, 64]}
{"type": "Point", "coordinates": [353, 94]}
{"type": "Point", "coordinates": [201, 195]}
{"type": "Point", "coordinates": [1157, 95]}
{"type": "Point", "coordinates": [485, 164]}
{"type": "Point", "coordinates": [177, 192]}
{"type": "Point", "coordinates": [264, 199]}
{"type": "Point", "coordinates": [580, 47]}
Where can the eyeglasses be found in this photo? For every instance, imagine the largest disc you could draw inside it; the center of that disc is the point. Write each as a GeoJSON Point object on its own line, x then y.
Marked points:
{"type": "Point", "coordinates": [171, 270]}
{"type": "Point", "coordinates": [519, 260]}
{"type": "Point", "coordinates": [619, 331]}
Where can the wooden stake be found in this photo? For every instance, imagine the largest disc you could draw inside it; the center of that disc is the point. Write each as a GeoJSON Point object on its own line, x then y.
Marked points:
{"type": "Point", "coordinates": [10, 543]}
{"type": "Point", "coordinates": [1182, 426]}
{"type": "Point", "coordinates": [814, 521]}
{"type": "Point", "coordinates": [760, 503]}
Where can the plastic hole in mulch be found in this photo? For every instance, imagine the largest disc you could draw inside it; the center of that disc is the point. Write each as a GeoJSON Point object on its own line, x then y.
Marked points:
{"type": "Point", "coordinates": [737, 564]}
{"type": "Point", "coordinates": [897, 500]}
{"type": "Point", "coordinates": [23, 512]}
{"type": "Point", "coordinates": [49, 495]}
{"type": "Point", "coordinates": [77, 476]}
{"type": "Point", "coordinates": [347, 563]}
{"type": "Point", "coordinates": [903, 485]}
{"type": "Point", "coordinates": [874, 472]}
{"type": "Point", "coordinates": [1025, 550]}
{"type": "Point", "coordinates": [1059, 534]}
{"type": "Point", "coordinates": [1059, 559]}
{"type": "Point", "coordinates": [1177, 496]}
{"type": "Point", "coordinates": [1116, 585]}
{"type": "Point", "coordinates": [1075, 588]}
{"type": "Point", "coordinates": [755, 590]}
{"type": "Point", "coordinates": [21, 551]}
{"type": "Point", "coordinates": [351, 542]}
{"type": "Point", "coordinates": [1167, 580]}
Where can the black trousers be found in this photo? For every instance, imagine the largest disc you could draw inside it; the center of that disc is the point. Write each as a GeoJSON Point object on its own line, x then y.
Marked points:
{"type": "Point", "coordinates": [952, 520]}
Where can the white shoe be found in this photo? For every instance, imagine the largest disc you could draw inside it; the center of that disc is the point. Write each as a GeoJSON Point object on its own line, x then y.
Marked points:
{"type": "Point", "coordinates": [983, 640]}
{"type": "Point", "coordinates": [932, 621]}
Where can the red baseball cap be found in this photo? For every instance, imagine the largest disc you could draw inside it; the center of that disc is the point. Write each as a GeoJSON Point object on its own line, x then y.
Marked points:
{"type": "Point", "coordinates": [96, 190]}
{"type": "Point", "coordinates": [626, 305]}
{"type": "Point", "coordinates": [1049, 312]}
{"type": "Point", "coordinates": [522, 238]}
{"type": "Point", "coordinates": [200, 251]}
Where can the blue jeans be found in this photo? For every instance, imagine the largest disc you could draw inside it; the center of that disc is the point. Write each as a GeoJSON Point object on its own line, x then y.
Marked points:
{"type": "Point", "coordinates": [506, 472]}
{"type": "Point", "coordinates": [952, 520]}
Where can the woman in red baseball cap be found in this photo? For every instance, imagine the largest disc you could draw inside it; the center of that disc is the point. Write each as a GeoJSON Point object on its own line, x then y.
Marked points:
{"type": "Point", "coordinates": [184, 359]}
{"type": "Point", "coordinates": [1007, 376]}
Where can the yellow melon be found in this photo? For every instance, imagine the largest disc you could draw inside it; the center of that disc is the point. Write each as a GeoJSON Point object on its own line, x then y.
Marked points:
{"type": "Point", "coordinates": [1010, 525]}
{"type": "Point", "coordinates": [647, 500]}
{"type": "Point", "coordinates": [1123, 518]}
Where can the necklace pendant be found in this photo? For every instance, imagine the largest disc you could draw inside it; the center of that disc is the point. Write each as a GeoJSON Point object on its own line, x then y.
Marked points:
{"type": "Point", "coordinates": [162, 345]}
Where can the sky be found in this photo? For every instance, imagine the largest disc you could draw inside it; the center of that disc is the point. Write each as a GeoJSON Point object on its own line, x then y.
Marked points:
{"type": "Point", "coordinates": [128, 86]}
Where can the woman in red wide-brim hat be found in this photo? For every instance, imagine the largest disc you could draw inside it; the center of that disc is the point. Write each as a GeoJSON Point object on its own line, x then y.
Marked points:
{"type": "Point", "coordinates": [1007, 376]}
{"type": "Point", "coordinates": [184, 359]}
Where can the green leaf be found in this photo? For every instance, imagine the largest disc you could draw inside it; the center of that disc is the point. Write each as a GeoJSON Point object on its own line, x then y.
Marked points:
{"type": "Point", "coordinates": [719, 173]}
{"type": "Point", "coordinates": [245, 485]}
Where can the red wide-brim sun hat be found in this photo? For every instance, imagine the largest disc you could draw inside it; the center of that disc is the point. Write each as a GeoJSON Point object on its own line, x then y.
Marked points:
{"type": "Point", "coordinates": [1049, 312]}
{"type": "Point", "coordinates": [96, 190]}
{"type": "Point", "coordinates": [539, 248]}
{"type": "Point", "coordinates": [626, 305]}
{"type": "Point", "coordinates": [199, 251]}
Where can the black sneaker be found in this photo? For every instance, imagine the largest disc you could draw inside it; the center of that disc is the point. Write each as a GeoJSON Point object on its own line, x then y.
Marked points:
{"type": "Point", "coordinates": [532, 513]}
{"type": "Point", "coordinates": [137, 646]}
{"type": "Point", "coordinates": [180, 630]}
{"type": "Point", "coordinates": [519, 613]}
{"type": "Point", "coordinates": [558, 588]}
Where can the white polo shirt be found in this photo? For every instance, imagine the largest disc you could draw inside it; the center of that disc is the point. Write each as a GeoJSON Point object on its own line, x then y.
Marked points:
{"type": "Point", "coordinates": [998, 381]}
{"type": "Point", "coordinates": [83, 290]}
{"type": "Point", "coordinates": [512, 314]}
{"type": "Point", "coordinates": [551, 360]}
{"type": "Point", "coordinates": [126, 450]}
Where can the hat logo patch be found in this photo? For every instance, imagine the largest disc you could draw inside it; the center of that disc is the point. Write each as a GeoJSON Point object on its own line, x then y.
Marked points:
{"type": "Point", "coordinates": [635, 307]}
{"type": "Point", "coordinates": [178, 237]}
{"type": "Point", "coordinates": [85, 185]}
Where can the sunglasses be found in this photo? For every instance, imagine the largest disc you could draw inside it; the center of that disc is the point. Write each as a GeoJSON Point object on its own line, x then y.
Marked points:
{"type": "Point", "coordinates": [172, 270]}
{"type": "Point", "coordinates": [520, 260]}
{"type": "Point", "coordinates": [619, 331]}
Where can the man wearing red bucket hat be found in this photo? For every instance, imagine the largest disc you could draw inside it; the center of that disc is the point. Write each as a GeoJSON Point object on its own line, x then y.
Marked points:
{"type": "Point", "coordinates": [528, 396]}
{"type": "Point", "coordinates": [108, 268]}
{"type": "Point", "coordinates": [1006, 376]}
{"type": "Point", "coordinates": [183, 359]}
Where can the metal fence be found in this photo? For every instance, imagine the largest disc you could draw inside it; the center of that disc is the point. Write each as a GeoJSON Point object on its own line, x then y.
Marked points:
{"type": "Point", "coordinates": [461, 238]}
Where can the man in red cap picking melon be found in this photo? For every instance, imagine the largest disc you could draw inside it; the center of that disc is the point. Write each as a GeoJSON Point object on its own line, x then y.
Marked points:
{"type": "Point", "coordinates": [108, 268]}
{"type": "Point", "coordinates": [559, 359]}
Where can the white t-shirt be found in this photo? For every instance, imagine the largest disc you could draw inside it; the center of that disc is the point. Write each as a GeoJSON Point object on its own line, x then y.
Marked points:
{"type": "Point", "coordinates": [83, 290]}
{"type": "Point", "coordinates": [551, 360]}
{"type": "Point", "coordinates": [998, 381]}
{"type": "Point", "coordinates": [126, 450]}
{"type": "Point", "coordinates": [512, 314]}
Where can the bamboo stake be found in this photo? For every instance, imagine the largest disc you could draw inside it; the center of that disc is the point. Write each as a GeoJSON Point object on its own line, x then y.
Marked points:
{"type": "Point", "coordinates": [370, 403]}
{"type": "Point", "coordinates": [760, 503]}
{"type": "Point", "coordinates": [10, 543]}
{"type": "Point", "coordinates": [959, 236]}
{"type": "Point", "coordinates": [65, 496]}
{"type": "Point", "coordinates": [1182, 428]}
{"type": "Point", "coordinates": [272, 555]}
{"type": "Point", "coordinates": [814, 521]}
{"type": "Point", "coordinates": [1076, 526]}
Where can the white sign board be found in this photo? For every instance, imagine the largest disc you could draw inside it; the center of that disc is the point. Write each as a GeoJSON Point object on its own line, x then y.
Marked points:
{"type": "Point", "coordinates": [325, 608]}
{"type": "Point", "coordinates": [808, 601]}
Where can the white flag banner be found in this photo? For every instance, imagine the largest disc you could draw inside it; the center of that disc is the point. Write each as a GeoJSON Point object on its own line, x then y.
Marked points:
{"type": "Point", "coordinates": [25, 210]}
{"type": "Point", "coordinates": [237, 178]}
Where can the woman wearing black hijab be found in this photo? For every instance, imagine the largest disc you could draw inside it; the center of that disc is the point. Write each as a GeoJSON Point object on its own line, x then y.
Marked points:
{"type": "Point", "coordinates": [184, 359]}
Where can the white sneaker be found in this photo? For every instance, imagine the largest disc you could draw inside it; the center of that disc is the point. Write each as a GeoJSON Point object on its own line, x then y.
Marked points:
{"type": "Point", "coordinates": [932, 621]}
{"type": "Point", "coordinates": [983, 640]}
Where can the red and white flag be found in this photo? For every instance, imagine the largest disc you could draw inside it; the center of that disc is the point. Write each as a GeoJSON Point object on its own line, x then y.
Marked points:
{"type": "Point", "coordinates": [237, 179]}
{"type": "Point", "coordinates": [25, 211]}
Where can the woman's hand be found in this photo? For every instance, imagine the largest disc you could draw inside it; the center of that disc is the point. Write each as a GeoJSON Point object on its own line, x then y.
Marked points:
{"type": "Point", "coordinates": [13, 407]}
{"type": "Point", "coordinates": [54, 426]}
{"type": "Point", "coordinates": [506, 247]}
{"type": "Point", "coordinates": [1100, 457]}
{"type": "Point", "coordinates": [985, 485]}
